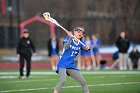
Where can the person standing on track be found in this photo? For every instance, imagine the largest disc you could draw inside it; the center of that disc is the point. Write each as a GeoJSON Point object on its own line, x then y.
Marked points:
{"type": "Point", "coordinates": [95, 44]}
{"type": "Point", "coordinates": [66, 64]}
{"type": "Point", "coordinates": [53, 51]}
{"type": "Point", "coordinates": [25, 47]}
{"type": "Point", "coordinates": [88, 54]}
{"type": "Point", "coordinates": [123, 45]}
{"type": "Point", "coordinates": [81, 57]}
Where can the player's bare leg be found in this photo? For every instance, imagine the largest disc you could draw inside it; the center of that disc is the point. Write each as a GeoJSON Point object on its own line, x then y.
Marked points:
{"type": "Point", "coordinates": [52, 62]}
{"type": "Point", "coordinates": [97, 60]}
{"type": "Point", "coordinates": [88, 62]}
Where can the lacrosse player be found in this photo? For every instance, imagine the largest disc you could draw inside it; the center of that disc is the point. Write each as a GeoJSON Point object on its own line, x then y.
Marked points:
{"type": "Point", "coordinates": [66, 64]}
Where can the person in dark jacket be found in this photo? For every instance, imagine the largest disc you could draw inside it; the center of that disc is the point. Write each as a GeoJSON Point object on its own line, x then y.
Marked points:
{"type": "Point", "coordinates": [25, 47]}
{"type": "Point", "coordinates": [135, 58]}
{"type": "Point", "coordinates": [122, 44]}
{"type": "Point", "coordinates": [53, 51]}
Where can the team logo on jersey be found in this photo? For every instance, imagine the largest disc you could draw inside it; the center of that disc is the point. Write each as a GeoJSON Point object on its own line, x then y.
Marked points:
{"type": "Point", "coordinates": [75, 48]}
{"type": "Point", "coordinates": [28, 42]}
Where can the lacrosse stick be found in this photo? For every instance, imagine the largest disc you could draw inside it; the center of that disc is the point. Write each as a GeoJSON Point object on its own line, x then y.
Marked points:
{"type": "Point", "coordinates": [49, 18]}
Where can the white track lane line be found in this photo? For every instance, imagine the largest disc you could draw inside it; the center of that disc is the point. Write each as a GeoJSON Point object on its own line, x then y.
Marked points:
{"type": "Point", "coordinates": [67, 87]}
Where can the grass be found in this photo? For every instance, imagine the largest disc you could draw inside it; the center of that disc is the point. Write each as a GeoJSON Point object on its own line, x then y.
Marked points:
{"type": "Point", "coordinates": [45, 83]}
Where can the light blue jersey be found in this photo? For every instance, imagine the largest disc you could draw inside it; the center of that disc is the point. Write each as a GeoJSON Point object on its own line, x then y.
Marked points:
{"type": "Point", "coordinates": [67, 59]}
{"type": "Point", "coordinates": [88, 53]}
{"type": "Point", "coordinates": [97, 43]}
{"type": "Point", "coordinates": [82, 52]}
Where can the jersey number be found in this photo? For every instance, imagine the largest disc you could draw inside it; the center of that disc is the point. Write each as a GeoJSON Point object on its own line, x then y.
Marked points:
{"type": "Point", "coordinates": [73, 53]}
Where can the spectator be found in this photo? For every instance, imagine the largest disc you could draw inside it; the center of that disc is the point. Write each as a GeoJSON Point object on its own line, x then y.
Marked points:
{"type": "Point", "coordinates": [123, 44]}
{"type": "Point", "coordinates": [135, 58]}
{"type": "Point", "coordinates": [25, 47]}
{"type": "Point", "coordinates": [81, 57]}
{"type": "Point", "coordinates": [53, 51]}
{"type": "Point", "coordinates": [88, 54]}
{"type": "Point", "coordinates": [95, 44]}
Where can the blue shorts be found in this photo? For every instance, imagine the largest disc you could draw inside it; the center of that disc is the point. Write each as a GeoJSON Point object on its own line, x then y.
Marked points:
{"type": "Point", "coordinates": [95, 51]}
{"type": "Point", "coordinates": [88, 53]}
{"type": "Point", "coordinates": [82, 52]}
{"type": "Point", "coordinates": [54, 52]}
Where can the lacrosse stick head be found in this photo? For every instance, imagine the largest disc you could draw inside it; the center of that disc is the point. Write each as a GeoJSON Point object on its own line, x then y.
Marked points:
{"type": "Point", "coordinates": [46, 15]}
{"type": "Point", "coordinates": [49, 18]}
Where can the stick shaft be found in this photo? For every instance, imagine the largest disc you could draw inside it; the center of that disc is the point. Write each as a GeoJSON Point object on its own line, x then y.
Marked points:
{"type": "Point", "coordinates": [47, 17]}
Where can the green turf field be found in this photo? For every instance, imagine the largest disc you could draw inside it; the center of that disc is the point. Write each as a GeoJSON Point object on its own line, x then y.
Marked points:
{"type": "Point", "coordinates": [44, 81]}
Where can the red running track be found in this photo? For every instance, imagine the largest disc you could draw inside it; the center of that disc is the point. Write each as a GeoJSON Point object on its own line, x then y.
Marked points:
{"type": "Point", "coordinates": [4, 65]}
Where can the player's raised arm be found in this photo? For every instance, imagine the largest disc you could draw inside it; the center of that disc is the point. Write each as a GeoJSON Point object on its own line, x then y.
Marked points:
{"type": "Point", "coordinates": [67, 44]}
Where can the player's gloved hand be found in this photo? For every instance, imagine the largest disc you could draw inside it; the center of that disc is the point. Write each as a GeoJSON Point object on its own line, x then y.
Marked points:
{"type": "Point", "coordinates": [88, 49]}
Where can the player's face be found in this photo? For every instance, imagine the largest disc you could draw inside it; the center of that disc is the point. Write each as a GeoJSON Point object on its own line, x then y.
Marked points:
{"type": "Point", "coordinates": [87, 38]}
{"type": "Point", "coordinates": [134, 49]}
{"type": "Point", "coordinates": [53, 38]}
{"type": "Point", "coordinates": [78, 34]}
{"type": "Point", "coordinates": [93, 37]}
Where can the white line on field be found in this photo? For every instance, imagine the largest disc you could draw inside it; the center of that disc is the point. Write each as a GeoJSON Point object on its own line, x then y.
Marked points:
{"type": "Point", "coordinates": [83, 72]}
{"type": "Point", "coordinates": [67, 87]}
{"type": "Point", "coordinates": [16, 76]}
{"type": "Point", "coordinates": [28, 81]}
{"type": "Point", "coordinates": [43, 79]}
